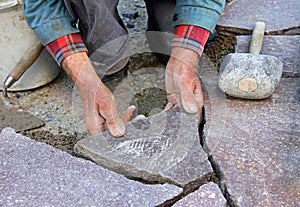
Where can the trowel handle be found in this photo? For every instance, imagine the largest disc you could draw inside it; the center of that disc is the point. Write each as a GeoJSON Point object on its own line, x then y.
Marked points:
{"type": "Point", "coordinates": [257, 37]}
{"type": "Point", "coordinates": [27, 59]}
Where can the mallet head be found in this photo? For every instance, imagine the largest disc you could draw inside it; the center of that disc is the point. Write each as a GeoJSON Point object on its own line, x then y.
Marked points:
{"type": "Point", "coordinates": [249, 76]}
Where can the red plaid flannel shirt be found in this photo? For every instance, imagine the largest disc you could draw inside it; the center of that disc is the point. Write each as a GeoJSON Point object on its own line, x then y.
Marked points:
{"type": "Point", "coordinates": [187, 36]}
{"type": "Point", "coordinates": [65, 46]}
{"type": "Point", "coordinates": [191, 37]}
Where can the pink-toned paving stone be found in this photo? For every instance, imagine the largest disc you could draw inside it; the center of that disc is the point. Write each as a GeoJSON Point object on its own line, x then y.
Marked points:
{"type": "Point", "coordinates": [280, 16]}
{"type": "Point", "coordinates": [256, 147]}
{"type": "Point", "coordinates": [35, 174]}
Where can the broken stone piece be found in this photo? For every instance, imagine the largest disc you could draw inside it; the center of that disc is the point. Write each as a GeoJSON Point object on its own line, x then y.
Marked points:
{"type": "Point", "coordinates": [35, 174]}
{"type": "Point", "coordinates": [280, 16]}
{"type": "Point", "coordinates": [207, 195]}
{"type": "Point", "coordinates": [285, 48]}
{"type": "Point", "coordinates": [162, 148]}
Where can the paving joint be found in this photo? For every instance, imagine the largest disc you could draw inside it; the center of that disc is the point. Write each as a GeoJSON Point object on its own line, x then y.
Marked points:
{"type": "Point", "coordinates": [218, 175]}
{"type": "Point", "coordinates": [188, 189]}
{"type": "Point", "coordinates": [221, 183]}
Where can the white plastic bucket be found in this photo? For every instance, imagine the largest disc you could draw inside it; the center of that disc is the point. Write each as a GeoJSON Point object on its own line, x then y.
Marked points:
{"type": "Point", "coordinates": [15, 38]}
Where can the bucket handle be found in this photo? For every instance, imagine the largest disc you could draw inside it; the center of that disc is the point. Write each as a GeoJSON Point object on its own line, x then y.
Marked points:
{"type": "Point", "coordinates": [9, 4]}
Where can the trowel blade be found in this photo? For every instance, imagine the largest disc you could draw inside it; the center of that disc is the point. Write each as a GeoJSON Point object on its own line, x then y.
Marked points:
{"type": "Point", "coordinates": [17, 118]}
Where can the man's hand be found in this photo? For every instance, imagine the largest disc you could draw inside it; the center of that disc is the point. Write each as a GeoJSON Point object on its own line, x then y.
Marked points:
{"type": "Point", "coordinates": [98, 101]}
{"type": "Point", "coordinates": [183, 85]}
{"type": "Point", "coordinates": [101, 110]}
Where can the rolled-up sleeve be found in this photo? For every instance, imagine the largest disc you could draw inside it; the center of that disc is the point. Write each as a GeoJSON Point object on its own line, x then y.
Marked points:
{"type": "Point", "coordinates": [49, 19]}
{"type": "Point", "coordinates": [202, 13]}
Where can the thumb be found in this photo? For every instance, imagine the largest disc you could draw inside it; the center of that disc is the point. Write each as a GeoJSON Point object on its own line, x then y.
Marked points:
{"type": "Point", "coordinates": [94, 123]}
{"type": "Point", "coordinates": [113, 121]}
{"type": "Point", "coordinates": [188, 98]}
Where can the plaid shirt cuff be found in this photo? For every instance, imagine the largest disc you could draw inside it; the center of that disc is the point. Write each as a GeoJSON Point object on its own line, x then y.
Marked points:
{"type": "Point", "coordinates": [190, 37]}
{"type": "Point", "coordinates": [65, 46]}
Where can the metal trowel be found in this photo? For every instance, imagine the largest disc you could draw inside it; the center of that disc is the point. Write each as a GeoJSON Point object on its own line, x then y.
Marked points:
{"type": "Point", "coordinates": [27, 59]}
{"type": "Point", "coordinates": [15, 39]}
{"type": "Point", "coordinates": [11, 115]}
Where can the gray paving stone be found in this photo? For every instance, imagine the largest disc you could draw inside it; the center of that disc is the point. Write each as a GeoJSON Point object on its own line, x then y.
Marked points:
{"type": "Point", "coordinates": [256, 144]}
{"type": "Point", "coordinates": [284, 47]}
{"type": "Point", "coordinates": [207, 195]}
{"type": "Point", "coordinates": [162, 148]}
{"type": "Point", "coordinates": [36, 174]}
{"type": "Point", "coordinates": [280, 16]}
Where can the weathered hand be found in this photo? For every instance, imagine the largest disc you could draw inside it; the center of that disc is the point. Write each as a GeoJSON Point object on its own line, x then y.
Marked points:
{"type": "Point", "coordinates": [101, 110]}
{"type": "Point", "coordinates": [183, 85]}
{"type": "Point", "coordinates": [98, 101]}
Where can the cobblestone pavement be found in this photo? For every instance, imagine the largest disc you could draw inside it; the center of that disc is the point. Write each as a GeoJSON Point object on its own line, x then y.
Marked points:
{"type": "Point", "coordinates": [245, 153]}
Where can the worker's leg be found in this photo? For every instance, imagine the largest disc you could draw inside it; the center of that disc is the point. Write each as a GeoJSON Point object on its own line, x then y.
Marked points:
{"type": "Point", "coordinates": [103, 32]}
{"type": "Point", "coordinates": [160, 19]}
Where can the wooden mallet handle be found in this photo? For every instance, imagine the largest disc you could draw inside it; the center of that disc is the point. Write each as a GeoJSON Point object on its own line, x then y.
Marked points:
{"type": "Point", "coordinates": [27, 59]}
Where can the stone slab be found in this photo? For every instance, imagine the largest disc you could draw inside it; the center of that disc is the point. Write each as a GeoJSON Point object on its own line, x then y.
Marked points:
{"type": "Point", "coordinates": [207, 195]}
{"type": "Point", "coordinates": [162, 148]}
{"type": "Point", "coordinates": [36, 174]}
{"type": "Point", "coordinates": [285, 47]}
{"type": "Point", "coordinates": [256, 145]}
{"type": "Point", "coordinates": [17, 118]}
{"type": "Point", "coordinates": [280, 16]}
